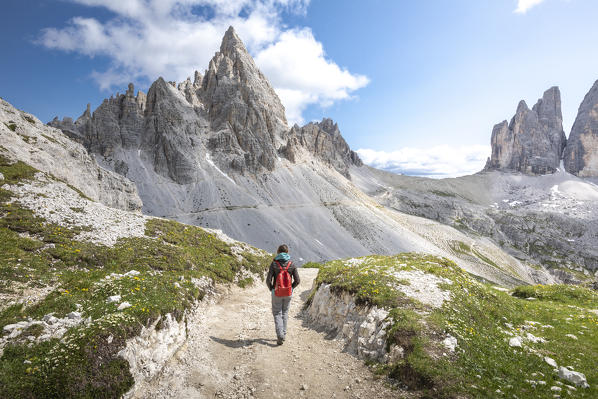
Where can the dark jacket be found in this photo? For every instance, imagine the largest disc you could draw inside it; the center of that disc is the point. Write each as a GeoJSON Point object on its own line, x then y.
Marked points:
{"type": "Point", "coordinates": [275, 269]}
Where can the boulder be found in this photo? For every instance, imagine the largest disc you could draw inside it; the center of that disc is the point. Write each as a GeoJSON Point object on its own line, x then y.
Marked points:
{"type": "Point", "coordinates": [575, 377]}
{"type": "Point", "coordinates": [515, 342]}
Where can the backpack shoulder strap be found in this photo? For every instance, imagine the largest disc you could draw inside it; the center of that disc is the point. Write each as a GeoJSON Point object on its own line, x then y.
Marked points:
{"type": "Point", "coordinates": [280, 266]}
{"type": "Point", "coordinates": [286, 269]}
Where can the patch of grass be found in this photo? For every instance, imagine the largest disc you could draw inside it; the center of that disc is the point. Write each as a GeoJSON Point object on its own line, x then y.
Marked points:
{"type": "Point", "coordinates": [246, 282]}
{"type": "Point", "coordinates": [11, 125]}
{"type": "Point", "coordinates": [75, 189]}
{"type": "Point", "coordinates": [460, 247]}
{"type": "Point", "coordinates": [312, 265]}
{"type": "Point", "coordinates": [77, 209]}
{"type": "Point", "coordinates": [28, 139]}
{"type": "Point", "coordinates": [485, 259]}
{"type": "Point", "coordinates": [50, 139]}
{"type": "Point", "coordinates": [29, 119]}
{"type": "Point", "coordinates": [561, 293]}
{"type": "Point", "coordinates": [482, 319]}
{"type": "Point", "coordinates": [14, 172]}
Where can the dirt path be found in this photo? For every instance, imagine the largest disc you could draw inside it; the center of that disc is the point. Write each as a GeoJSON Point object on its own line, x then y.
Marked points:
{"type": "Point", "coordinates": [232, 353]}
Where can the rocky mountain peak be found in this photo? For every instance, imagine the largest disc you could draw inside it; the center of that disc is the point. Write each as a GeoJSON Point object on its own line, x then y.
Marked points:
{"type": "Point", "coordinates": [324, 140]}
{"type": "Point", "coordinates": [232, 43]}
{"type": "Point", "coordinates": [581, 154]}
{"type": "Point", "coordinates": [522, 108]}
{"type": "Point", "coordinates": [231, 111]}
{"type": "Point", "coordinates": [533, 142]}
{"type": "Point", "coordinates": [242, 108]}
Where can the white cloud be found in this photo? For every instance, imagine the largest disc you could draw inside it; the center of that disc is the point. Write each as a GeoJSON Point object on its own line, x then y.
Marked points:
{"type": "Point", "coordinates": [437, 162]}
{"type": "Point", "coordinates": [524, 5]}
{"type": "Point", "coordinates": [297, 64]}
{"type": "Point", "coordinates": [172, 38]}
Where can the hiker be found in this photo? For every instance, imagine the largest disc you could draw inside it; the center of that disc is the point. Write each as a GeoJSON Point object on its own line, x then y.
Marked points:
{"type": "Point", "coordinates": [279, 283]}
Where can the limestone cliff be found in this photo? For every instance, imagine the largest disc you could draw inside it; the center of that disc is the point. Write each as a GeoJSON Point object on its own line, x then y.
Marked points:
{"type": "Point", "coordinates": [581, 154]}
{"type": "Point", "coordinates": [533, 142]}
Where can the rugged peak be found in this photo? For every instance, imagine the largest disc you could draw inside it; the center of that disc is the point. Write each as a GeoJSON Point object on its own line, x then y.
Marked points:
{"type": "Point", "coordinates": [329, 126]}
{"type": "Point", "coordinates": [324, 141]}
{"type": "Point", "coordinates": [197, 79]}
{"type": "Point", "coordinates": [581, 154]}
{"type": "Point", "coordinates": [522, 107]}
{"type": "Point", "coordinates": [232, 43]}
{"type": "Point", "coordinates": [242, 106]}
{"type": "Point", "coordinates": [549, 106]}
{"type": "Point", "coordinates": [131, 90]}
{"type": "Point", "coordinates": [534, 140]}
{"type": "Point", "coordinates": [157, 90]}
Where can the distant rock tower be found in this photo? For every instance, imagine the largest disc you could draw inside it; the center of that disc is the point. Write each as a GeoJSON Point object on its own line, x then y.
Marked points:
{"type": "Point", "coordinates": [581, 154]}
{"type": "Point", "coordinates": [533, 142]}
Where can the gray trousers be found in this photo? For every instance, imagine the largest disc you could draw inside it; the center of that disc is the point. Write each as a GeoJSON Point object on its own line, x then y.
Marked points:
{"type": "Point", "coordinates": [280, 310]}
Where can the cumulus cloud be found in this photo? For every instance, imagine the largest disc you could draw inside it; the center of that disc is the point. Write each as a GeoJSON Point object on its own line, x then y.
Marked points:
{"type": "Point", "coordinates": [297, 63]}
{"type": "Point", "coordinates": [436, 162]}
{"type": "Point", "coordinates": [172, 38]}
{"type": "Point", "coordinates": [524, 5]}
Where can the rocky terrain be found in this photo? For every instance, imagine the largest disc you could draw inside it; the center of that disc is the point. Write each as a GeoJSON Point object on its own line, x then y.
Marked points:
{"type": "Point", "coordinates": [547, 220]}
{"type": "Point", "coordinates": [442, 334]}
{"type": "Point", "coordinates": [533, 141]}
{"type": "Point", "coordinates": [94, 298]}
{"type": "Point", "coordinates": [217, 152]}
{"type": "Point", "coordinates": [536, 198]}
{"type": "Point", "coordinates": [27, 139]}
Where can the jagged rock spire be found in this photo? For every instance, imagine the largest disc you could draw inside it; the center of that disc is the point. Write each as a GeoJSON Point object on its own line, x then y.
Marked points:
{"type": "Point", "coordinates": [232, 43]}
{"type": "Point", "coordinates": [581, 154]}
{"type": "Point", "coordinates": [243, 106]}
{"type": "Point", "coordinates": [533, 141]}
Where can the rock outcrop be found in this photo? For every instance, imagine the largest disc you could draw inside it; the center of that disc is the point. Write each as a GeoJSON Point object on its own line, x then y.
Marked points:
{"type": "Point", "coordinates": [581, 154]}
{"type": "Point", "coordinates": [533, 142]}
{"type": "Point", "coordinates": [243, 108]}
{"type": "Point", "coordinates": [27, 139]}
{"type": "Point", "coordinates": [323, 140]}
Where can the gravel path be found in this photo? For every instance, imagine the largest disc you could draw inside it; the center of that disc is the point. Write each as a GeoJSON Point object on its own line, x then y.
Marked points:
{"type": "Point", "coordinates": [232, 353]}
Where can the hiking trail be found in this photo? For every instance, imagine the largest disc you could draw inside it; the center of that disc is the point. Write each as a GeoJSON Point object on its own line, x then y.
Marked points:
{"type": "Point", "coordinates": [231, 353]}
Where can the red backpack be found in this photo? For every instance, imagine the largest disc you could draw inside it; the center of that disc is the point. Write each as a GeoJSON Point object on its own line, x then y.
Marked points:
{"type": "Point", "coordinates": [283, 285]}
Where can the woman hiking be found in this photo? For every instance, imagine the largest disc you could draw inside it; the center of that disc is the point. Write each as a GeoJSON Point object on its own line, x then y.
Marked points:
{"type": "Point", "coordinates": [281, 272]}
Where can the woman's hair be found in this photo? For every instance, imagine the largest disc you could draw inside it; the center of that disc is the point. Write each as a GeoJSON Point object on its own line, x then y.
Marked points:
{"type": "Point", "coordinates": [283, 248]}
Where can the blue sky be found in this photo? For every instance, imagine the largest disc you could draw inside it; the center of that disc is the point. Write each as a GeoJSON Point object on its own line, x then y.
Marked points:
{"type": "Point", "coordinates": [416, 86]}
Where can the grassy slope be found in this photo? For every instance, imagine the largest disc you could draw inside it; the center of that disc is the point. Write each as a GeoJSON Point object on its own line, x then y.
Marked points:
{"type": "Point", "coordinates": [84, 364]}
{"type": "Point", "coordinates": [482, 319]}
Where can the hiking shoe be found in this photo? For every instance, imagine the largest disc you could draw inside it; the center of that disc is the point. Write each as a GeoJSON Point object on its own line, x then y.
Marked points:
{"type": "Point", "coordinates": [279, 341]}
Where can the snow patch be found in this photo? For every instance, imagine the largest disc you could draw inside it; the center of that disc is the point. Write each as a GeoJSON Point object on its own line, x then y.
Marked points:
{"type": "Point", "coordinates": [209, 159]}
